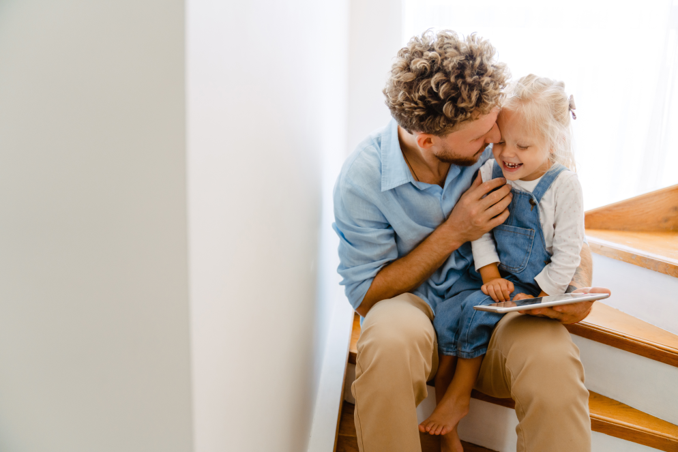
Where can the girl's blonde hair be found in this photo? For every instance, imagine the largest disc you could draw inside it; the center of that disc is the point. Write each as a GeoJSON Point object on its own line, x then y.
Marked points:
{"type": "Point", "coordinates": [546, 108]}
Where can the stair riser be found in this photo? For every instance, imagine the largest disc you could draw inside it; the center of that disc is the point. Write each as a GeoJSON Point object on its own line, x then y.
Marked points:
{"type": "Point", "coordinates": [486, 425]}
{"type": "Point", "coordinates": [643, 293]}
{"type": "Point", "coordinates": [642, 383]}
{"type": "Point", "coordinates": [601, 442]}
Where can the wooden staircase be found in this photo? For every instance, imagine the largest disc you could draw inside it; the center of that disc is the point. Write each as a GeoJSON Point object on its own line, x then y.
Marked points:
{"type": "Point", "coordinates": [631, 364]}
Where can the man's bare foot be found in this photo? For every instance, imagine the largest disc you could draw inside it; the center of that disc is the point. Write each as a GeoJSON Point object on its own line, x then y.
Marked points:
{"type": "Point", "coordinates": [445, 417]}
{"type": "Point", "coordinates": [451, 442]}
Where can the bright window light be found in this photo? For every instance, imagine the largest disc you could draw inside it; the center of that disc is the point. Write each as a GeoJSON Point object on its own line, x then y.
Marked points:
{"type": "Point", "coordinates": [618, 58]}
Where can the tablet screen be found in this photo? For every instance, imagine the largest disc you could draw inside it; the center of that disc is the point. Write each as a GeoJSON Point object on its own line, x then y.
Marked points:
{"type": "Point", "coordinates": [571, 297]}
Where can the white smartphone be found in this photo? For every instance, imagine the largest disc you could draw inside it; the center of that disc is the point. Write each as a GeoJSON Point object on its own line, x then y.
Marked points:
{"type": "Point", "coordinates": [540, 302]}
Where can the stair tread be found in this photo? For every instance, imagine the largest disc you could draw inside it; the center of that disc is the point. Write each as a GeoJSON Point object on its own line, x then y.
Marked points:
{"type": "Point", "coordinates": [604, 408]}
{"type": "Point", "coordinates": [655, 250]}
{"type": "Point", "coordinates": [618, 329]}
{"type": "Point", "coordinates": [607, 415]}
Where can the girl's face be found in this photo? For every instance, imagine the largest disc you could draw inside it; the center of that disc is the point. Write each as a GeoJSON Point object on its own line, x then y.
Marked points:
{"type": "Point", "coordinates": [520, 153]}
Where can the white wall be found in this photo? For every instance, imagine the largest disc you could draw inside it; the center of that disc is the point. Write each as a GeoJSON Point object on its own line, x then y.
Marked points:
{"type": "Point", "coordinates": [266, 89]}
{"type": "Point", "coordinates": [375, 38]}
{"type": "Point", "coordinates": [94, 340]}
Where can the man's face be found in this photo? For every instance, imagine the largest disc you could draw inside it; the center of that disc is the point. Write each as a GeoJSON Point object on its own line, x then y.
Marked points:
{"type": "Point", "coordinates": [464, 146]}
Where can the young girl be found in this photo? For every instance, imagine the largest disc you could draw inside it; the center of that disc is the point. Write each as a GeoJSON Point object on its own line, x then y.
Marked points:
{"type": "Point", "coordinates": [537, 248]}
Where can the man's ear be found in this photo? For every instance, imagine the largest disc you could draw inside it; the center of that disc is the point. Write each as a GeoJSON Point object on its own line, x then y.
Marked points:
{"type": "Point", "coordinates": [424, 140]}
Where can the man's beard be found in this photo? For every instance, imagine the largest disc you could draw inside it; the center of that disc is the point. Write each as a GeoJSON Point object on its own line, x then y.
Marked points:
{"type": "Point", "coordinates": [452, 158]}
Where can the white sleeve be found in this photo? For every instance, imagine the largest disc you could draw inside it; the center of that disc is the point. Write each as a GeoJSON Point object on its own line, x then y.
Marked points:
{"type": "Point", "coordinates": [568, 236]}
{"type": "Point", "coordinates": [484, 249]}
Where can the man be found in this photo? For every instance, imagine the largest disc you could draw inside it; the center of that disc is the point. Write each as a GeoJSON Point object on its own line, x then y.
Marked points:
{"type": "Point", "coordinates": [406, 206]}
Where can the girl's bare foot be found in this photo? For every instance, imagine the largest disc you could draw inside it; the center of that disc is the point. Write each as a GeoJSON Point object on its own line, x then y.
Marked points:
{"type": "Point", "coordinates": [451, 442]}
{"type": "Point", "coordinates": [445, 417]}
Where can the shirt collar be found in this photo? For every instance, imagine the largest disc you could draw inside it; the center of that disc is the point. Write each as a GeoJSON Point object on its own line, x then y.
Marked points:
{"type": "Point", "coordinates": [394, 170]}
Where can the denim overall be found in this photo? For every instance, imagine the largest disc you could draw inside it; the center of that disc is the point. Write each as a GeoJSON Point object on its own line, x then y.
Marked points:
{"type": "Point", "coordinates": [464, 332]}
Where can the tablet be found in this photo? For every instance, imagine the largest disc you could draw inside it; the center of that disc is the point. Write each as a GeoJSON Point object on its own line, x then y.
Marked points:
{"type": "Point", "coordinates": [540, 302]}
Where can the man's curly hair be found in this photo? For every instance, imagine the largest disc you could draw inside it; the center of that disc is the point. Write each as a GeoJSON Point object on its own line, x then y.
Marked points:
{"type": "Point", "coordinates": [439, 81]}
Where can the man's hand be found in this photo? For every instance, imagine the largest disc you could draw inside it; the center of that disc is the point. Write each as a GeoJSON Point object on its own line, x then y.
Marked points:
{"type": "Point", "coordinates": [499, 289]}
{"type": "Point", "coordinates": [471, 217]}
{"type": "Point", "coordinates": [567, 313]}
{"type": "Point", "coordinates": [474, 215]}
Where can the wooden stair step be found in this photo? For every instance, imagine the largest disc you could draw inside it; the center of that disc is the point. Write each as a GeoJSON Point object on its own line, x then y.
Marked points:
{"type": "Point", "coordinates": [642, 230]}
{"type": "Point", "coordinates": [617, 329]}
{"type": "Point", "coordinates": [355, 335]}
{"type": "Point", "coordinates": [657, 251]}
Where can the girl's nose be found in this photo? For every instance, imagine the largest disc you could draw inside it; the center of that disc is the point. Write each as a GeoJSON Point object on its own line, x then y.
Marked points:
{"type": "Point", "coordinates": [507, 152]}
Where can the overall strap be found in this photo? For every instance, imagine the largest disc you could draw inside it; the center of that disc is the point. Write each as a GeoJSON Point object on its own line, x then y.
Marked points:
{"type": "Point", "coordinates": [546, 180]}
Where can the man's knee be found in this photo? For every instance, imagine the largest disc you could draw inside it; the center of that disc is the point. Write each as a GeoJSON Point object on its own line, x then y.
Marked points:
{"type": "Point", "coordinates": [544, 363]}
{"type": "Point", "coordinates": [397, 345]}
{"type": "Point", "coordinates": [395, 326]}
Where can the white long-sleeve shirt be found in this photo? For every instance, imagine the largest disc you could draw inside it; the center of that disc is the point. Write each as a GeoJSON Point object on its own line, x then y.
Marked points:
{"type": "Point", "coordinates": [561, 214]}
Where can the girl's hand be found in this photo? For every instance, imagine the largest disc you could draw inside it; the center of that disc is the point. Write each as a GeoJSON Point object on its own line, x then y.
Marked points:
{"type": "Point", "coordinates": [499, 289]}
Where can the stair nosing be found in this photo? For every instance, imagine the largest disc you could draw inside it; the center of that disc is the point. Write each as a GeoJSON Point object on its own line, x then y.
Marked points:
{"type": "Point", "coordinates": [610, 331]}
{"type": "Point", "coordinates": [626, 341]}
{"type": "Point", "coordinates": [630, 249]}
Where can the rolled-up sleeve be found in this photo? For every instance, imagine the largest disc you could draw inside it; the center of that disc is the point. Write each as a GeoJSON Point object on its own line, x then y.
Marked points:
{"type": "Point", "coordinates": [366, 239]}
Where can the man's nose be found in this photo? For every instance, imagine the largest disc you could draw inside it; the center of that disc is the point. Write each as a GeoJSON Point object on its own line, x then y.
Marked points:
{"type": "Point", "coordinates": [493, 136]}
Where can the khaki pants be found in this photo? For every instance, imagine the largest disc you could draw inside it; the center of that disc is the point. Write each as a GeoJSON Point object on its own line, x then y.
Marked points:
{"type": "Point", "coordinates": [532, 360]}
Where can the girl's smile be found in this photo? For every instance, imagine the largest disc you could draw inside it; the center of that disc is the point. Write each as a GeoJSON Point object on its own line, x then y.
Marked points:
{"type": "Point", "coordinates": [521, 153]}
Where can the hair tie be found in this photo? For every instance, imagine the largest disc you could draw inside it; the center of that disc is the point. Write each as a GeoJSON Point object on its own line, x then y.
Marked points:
{"type": "Point", "coordinates": [572, 107]}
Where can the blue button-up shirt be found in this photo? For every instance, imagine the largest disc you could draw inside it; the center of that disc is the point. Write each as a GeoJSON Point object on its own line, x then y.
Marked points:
{"type": "Point", "coordinates": [381, 213]}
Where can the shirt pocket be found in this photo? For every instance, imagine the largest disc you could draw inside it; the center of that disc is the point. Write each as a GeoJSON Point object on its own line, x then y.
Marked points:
{"type": "Point", "coordinates": [514, 246]}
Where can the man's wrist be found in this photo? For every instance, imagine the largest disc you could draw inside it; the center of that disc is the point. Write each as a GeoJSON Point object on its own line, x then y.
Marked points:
{"type": "Point", "coordinates": [452, 240]}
